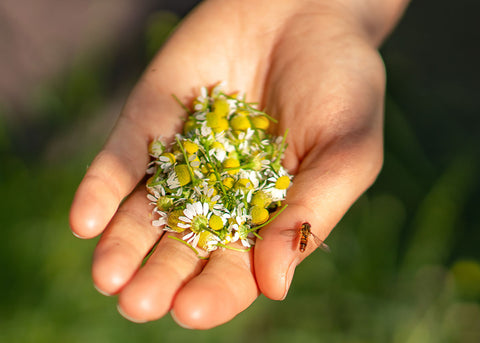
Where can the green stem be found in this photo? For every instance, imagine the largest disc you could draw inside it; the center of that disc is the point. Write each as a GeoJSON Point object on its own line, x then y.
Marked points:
{"type": "Point", "coordinates": [232, 248]}
{"type": "Point", "coordinates": [181, 104]}
{"type": "Point", "coordinates": [257, 235]}
{"type": "Point", "coordinates": [248, 106]}
{"type": "Point", "coordinates": [190, 171]}
{"type": "Point", "coordinates": [215, 171]}
{"type": "Point", "coordinates": [266, 115]}
{"type": "Point", "coordinates": [242, 166]}
{"type": "Point", "coordinates": [190, 246]}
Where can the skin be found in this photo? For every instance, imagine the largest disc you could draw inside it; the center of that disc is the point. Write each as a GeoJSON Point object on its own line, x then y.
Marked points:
{"type": "Point", "coordinates": [313, 65]}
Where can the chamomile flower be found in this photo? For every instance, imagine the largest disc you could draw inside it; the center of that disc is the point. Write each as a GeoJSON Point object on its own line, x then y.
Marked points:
{"type": "Point", "coordinates": [156, 147]}
{"type": "Point", "coordinates": [201, 102]}
{"type": "Point", "coordinates": [218, 151]}
{"type": "Point", "coordinates": [162, 204]}
{"type": "Point", "coordinates": [172, 180]}
{"type": "Point", "coordinates": [277, 185]}
{"type": "Point", "coordinates": [166, 161]}
{"type": "Point", "coordinates": [195, 217]}
{"type": "Point", "coordinates": [244, 236]}
{"type": "Point", "coordinates": [208, 241]}
{"type": "Point", "coordinates": [219, 180]}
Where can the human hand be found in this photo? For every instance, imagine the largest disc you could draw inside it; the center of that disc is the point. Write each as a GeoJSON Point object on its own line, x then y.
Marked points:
{"type": "Point", "coordinates": [312, 65]}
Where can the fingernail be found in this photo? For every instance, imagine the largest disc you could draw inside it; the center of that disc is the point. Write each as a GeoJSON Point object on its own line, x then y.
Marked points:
{"type": "Point", "coordinates": [124, 315]}
{"type": "Point", "coordinates": [101, 292]}
{"type": "Point", "coordinates": [179, 323]}
{"type": "Point", "coordinates": [289, 276]}
{"type": "Point", "coordinates": [77, 235]}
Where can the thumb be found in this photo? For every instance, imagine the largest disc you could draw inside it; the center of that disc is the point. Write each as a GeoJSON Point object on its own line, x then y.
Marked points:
{"type": "Point", "coordinates": [321, 193]}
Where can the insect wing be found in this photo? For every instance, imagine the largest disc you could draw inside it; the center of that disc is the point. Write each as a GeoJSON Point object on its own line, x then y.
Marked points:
{"type": "Point", "coordinates": [321, 244]}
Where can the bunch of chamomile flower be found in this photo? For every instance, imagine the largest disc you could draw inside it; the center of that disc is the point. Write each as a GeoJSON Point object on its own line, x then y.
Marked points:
{"type": "Point", "coordinates": [221, 180]}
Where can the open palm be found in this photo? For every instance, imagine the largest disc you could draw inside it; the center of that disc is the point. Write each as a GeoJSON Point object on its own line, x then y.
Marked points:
{"type": "Point", "coordinates": [313, 69]}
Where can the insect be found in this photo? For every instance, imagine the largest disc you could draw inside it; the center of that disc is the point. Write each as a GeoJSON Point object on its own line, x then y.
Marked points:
{"type": "Point", "coordinates": [305, 232]}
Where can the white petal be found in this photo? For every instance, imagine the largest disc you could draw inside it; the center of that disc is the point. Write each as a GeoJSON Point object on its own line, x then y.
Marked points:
{"type": "Point", "coordinates": [235, 237]}
{"type": "Point", "coordinates": [206, 131]}
{"type": "Point", "coordinates": [191, 207]}
{"type": "Point", "coordinates": [210, 193]}
{"type": "Point", "coordinates": [189, 212]}
{"type": "Point", "coordinates": [188, 235]}
{"type": "Point", "coordinates": [198, 207]}
{"type": "Point", "coordinates": [205, 208]}
{"type": "Point", "coordinates": [218, 207]}
{"type": "Point", "coordinates": [185, 219]}
{"type": "Point", "coordinates": [159, 222]}
{"type": "Point", "coordinates": [249, 195]}
{"type": "Point", "coordinates": [191, 239]}
{"type": "Point", "coordinates": [195, 241]}
{"type": "Point", "coordinates": [162, 191]}
{"type": "Point", "coordinates": [183, 225]}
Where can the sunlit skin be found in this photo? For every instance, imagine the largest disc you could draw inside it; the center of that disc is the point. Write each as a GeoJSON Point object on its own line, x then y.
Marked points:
{"type": "Point", "coordinates": [314, 66]}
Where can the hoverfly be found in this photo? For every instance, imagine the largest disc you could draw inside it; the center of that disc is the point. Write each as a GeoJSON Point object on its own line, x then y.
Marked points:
{"type": "Point", "coordinates": [305, 232]}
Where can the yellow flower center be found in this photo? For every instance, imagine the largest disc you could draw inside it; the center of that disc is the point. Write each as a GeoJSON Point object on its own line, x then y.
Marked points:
{"type": "Point", "coordinates": [240, 123]}
{"type": "Point", "coordinates": [212, 178]}
{"type": "Point", "coordinates": [155, 148]}
{"type": "Point", "coordinates": [221, 107]}
{"type": "Point", "coordinates": [216, 122]}
{"type": "Point", "coordinates": [203, 238]}
{"type": "Point", "coordinates": [172, 221]}
{"type": "Point", "coordinates": [150, 182]}
{"type": "Point", "coordinates": [189, 126]}
{"type": "Point", "coordinates": [182, 174]}
{"type": "Point", "coordinates": [231, 164]}
{"type": "Point", "coordinates": [222, 125]}
{"type": "Point", "coordinates": [228, 182]}
{"type": "Point", "coordinates": [259, 215]}
{"type": "Point", "coordinates": [260, 122]}
{"type": "Point", "coordinates": [217, 145]}
{"type": "Point", "coordinates": [170, 156]}
{"type": "Point", "coordinates": [215, 222]}
{"type": "Point", "coordinates": [282, 182]}
{"type": "Point", "coordinates": [164, 203]}
{"type": "Point", "coordinates": [261, 199]}
{"type": "Point", "coordinates": [190, 147]}
{"type": "Point", "coordinates": [244, 184]}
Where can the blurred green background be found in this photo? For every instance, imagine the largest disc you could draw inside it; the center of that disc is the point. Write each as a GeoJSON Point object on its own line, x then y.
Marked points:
{"type": "Point", "coordinates": [404, 265]}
